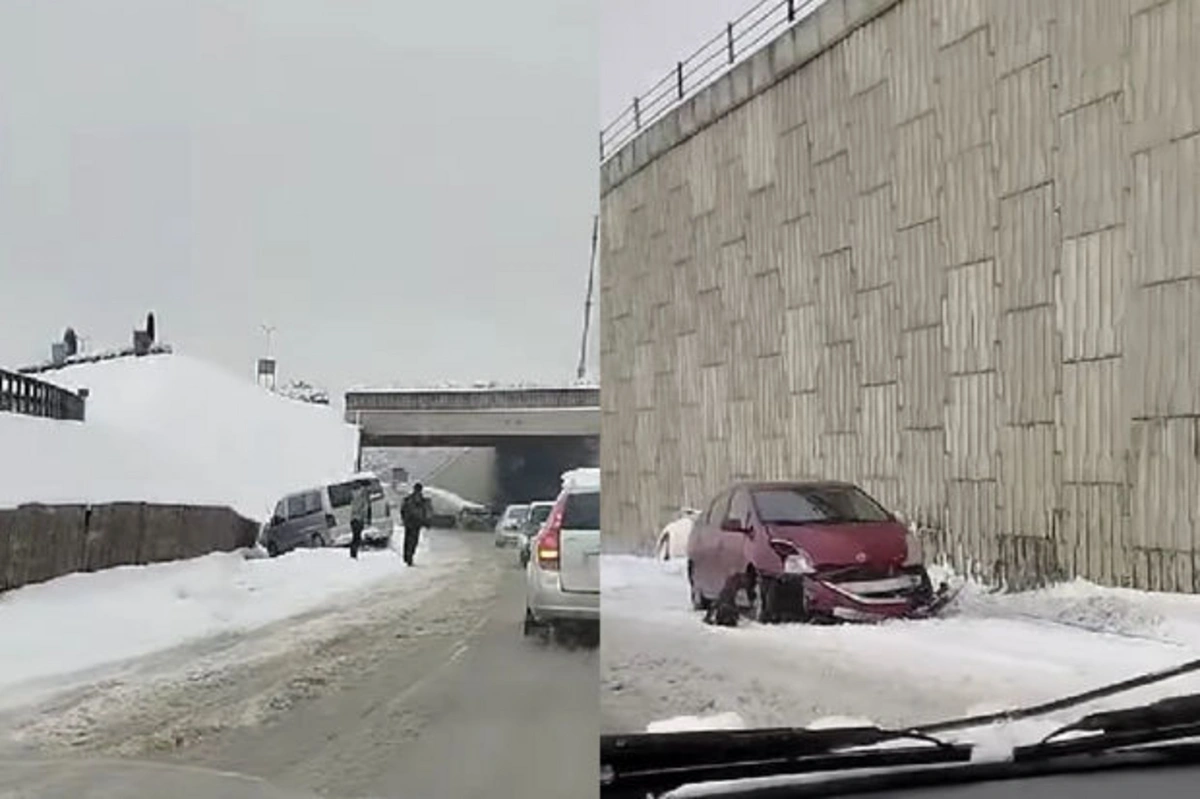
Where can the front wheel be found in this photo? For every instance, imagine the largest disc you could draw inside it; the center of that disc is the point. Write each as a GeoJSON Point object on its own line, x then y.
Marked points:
{"type": "Point", "coordinates": [699, 601]}
{"type": "Point", "coordinates": [764, 603]}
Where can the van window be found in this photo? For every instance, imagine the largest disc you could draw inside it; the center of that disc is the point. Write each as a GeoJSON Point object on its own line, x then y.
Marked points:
{"type": "Point", "coordinates": [374, 488]}
{"type": "Point", "coordinates": [341, 494]}
{"type": "Point", "coordinates": [312, 502]}
{"type": "Point", "coordinates": [295, 506]}
{"type": "Point", "coordinates": [582, 511]}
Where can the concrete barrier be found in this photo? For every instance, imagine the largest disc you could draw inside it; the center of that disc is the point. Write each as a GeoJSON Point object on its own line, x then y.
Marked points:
{"type": "Point", "coordinates": [41, 542]}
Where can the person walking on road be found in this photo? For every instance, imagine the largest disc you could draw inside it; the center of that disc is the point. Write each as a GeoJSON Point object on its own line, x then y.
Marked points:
{"type": "Point", "coordinates": [360, 516]}
{"type": "Point", "coordinates": [415, 512]}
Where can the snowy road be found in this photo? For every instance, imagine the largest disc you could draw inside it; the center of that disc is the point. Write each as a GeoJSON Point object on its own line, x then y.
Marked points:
{"type": "Point", "coordinates": [660, 662]}
{"type": "Point", "coordinates": [381, 692]}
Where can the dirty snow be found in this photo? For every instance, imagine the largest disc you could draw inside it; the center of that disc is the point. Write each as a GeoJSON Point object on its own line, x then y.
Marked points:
{"type": "Point", "coordinates": [171, 428]}
{"type": "Point", "coordinates": [85, 620]}
{"type": "Point", "coordinates": [989, 652]}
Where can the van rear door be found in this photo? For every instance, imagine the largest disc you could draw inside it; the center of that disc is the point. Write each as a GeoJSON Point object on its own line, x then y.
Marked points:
{"type": "Point", "coordinates": [579, 542]}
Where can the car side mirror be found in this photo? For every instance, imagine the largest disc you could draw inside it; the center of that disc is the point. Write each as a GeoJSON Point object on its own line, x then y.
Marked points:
{"type": "Point", "coordinates": [276, 521]}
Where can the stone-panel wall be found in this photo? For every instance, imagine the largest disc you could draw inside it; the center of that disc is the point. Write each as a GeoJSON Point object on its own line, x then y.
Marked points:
{"type": "Point", "coordinates": [948, 249]}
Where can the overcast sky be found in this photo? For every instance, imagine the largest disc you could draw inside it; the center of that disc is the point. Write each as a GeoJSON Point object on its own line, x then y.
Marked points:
{"type": "Point", "coordinates": [404, 190]}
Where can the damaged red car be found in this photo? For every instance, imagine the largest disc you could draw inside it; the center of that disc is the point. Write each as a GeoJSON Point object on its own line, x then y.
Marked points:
{"type": "Point", "coordinates": [802, 551]}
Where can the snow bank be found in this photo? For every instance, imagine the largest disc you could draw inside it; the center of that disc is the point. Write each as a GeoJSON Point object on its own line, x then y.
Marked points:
{"type": "Point", "coordinates": [170, 428]}
{"type": "Point", "coordinates": [720, 721]}
{"type": "Point", "coordinates": [85, 620]}
{"type": "Point", "coordinates": [988, 652]}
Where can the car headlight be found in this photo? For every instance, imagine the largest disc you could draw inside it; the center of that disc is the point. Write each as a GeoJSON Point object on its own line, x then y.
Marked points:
{"type": "Point", "coordinates": [798, 563]}
{"type": "Point", "coordinates": [915, 555]}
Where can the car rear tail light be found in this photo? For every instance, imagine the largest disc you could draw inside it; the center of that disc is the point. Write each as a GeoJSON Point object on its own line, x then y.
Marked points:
{"type": "Point", "coordinates": [330, 521]}
{"type": "Point", "coordinates": [547, 541]}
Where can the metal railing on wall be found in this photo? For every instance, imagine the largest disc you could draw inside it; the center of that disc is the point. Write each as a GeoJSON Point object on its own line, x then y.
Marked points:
{"type": "Point", "coordinates": [740, 38]}
{"type": "Point", "coordinates": [32, 397]}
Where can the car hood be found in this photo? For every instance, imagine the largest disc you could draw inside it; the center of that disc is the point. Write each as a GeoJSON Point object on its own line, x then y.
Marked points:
{"type": "Point", "coordinates": [879, 545]}
{"type": "Point", "coordinates": [110, 779]}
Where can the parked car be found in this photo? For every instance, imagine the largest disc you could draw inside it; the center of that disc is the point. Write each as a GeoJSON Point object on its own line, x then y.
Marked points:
{"type": "Point", "coordinates": [320, 517]}
{"type": "Point", "coordinates": [538, 513]}
{"type": "Point", "coordinates": [791, 550]}
{"type": "Point", "coordinates": [508, 529]}
{"type": "Point", "coordinates": [672, 541]}
{"type": "Point", "coordinates": [563, 574]}
{"type": "Point", "coordinates": [475, 517]}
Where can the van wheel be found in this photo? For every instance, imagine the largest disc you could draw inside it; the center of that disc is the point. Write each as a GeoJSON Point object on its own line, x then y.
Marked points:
{"type": "Point", "coordinates": [699, 601]}
{"type": "Point", "coordinates": [317, 541]}
{"type": "Point", "coordinates": [273, 549]}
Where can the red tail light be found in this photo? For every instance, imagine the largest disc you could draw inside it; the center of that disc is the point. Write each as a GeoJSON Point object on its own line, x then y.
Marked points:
{"type": "Point", "coordinates": [546, 543]}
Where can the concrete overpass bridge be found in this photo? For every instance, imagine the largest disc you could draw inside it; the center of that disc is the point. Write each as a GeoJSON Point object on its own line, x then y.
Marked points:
{"type": "Point", "coordinates": [537, 433]}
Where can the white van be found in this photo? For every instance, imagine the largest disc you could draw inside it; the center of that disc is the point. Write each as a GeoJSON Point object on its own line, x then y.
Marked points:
{"type": "Point", "coordinates": [320, 517]}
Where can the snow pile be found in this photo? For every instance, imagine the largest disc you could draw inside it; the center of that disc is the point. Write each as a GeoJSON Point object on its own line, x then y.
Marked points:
{"type": "Point", "coordinates": [476, 385]}
{"type": "Point", "coordinates": [582, 479]}
{"type": "Point", "coordinates": [719, 721]}
{"type": "Point", "coordinates": [83, 620]}
{"type": "Point", "coordinates": [304, 392]}
{"type": "Point", "coordinates": [169, 428]}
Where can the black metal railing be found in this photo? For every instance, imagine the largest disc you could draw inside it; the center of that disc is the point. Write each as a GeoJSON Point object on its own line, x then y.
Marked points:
{"type": "Point", "coordinates": [32, 397]}
{"type": "Point", "coordinates": [740, 38]}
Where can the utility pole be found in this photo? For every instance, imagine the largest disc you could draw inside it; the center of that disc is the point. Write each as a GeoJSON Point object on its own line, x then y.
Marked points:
{"type": "Point", "coordinates": [268, 330]}
{"type": "Point", "coordinates": [581, 370]}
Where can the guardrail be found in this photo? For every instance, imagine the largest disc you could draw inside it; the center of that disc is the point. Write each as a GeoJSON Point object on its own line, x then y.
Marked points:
{"type": "Point", "coordinates": [32, 397]}
{"type": "Point", "coordinates": [740, 38]}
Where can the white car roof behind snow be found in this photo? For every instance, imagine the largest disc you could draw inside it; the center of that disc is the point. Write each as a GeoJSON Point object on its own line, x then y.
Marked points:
{"type": "Point", "coordinates": [587, 479]}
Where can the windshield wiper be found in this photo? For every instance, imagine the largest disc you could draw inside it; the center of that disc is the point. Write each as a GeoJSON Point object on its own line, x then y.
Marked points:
{"type": "Point", "coordinates": [1173, 719]}
{"type": "Point", "coordinates": [648, 763]}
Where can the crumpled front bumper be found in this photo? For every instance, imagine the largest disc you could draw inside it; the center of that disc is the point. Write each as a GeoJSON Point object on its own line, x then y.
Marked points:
{"type": "Point", "coordinates": [905, 595]}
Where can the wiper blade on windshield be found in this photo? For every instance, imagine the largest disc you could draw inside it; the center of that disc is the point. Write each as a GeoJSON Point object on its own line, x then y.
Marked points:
{"type": "Point", "coordinates": [1172, 719]}
{"type": "Point", "coordinates": [634, 765]}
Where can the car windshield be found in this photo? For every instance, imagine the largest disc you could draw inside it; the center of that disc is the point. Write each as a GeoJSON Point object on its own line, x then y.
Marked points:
{"type": "Point", "coordinates": [517, 514]}
{"type": "Point", "coordinates": [816, 505]}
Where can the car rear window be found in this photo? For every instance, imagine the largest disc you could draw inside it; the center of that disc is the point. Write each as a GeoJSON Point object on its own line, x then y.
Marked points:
{"type": "Point", "coordinates": [809, 505]}
{"type": "Point", "coordinates": [582, 511]}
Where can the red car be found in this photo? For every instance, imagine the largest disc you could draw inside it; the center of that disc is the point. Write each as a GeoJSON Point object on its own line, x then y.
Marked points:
{"type": "Point", "coordinates": [811, 550]}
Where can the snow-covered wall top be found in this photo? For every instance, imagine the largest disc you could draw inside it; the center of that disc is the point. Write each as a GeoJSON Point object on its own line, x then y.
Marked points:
{"type": "Point", "coordinates": [170, 428]}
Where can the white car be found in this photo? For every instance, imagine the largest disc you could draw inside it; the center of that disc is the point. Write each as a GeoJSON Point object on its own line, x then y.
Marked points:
{"type": "Point", "coordinates": [562, 578]}
{"type": "Point", "coordinates": [673, 540]}
{"type": "Point", "coordinates": [508, 529]}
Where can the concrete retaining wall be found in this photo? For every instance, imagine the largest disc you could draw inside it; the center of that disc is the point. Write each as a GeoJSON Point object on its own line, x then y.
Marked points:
{"type": "Point", "coordinates": [943, 248]}
{"type": "Point", "coordinates": [41, 542]}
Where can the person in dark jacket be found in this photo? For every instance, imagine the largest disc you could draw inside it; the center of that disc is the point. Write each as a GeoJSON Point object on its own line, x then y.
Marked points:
{"type": "Point", "coordinates": [360, 517]}
{"type": "Point", "coordinates": [415, 513]}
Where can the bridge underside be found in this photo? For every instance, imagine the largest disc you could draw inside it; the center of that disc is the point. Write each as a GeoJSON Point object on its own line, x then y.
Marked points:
{"type": "Point", "coordinates": [537, 433]}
